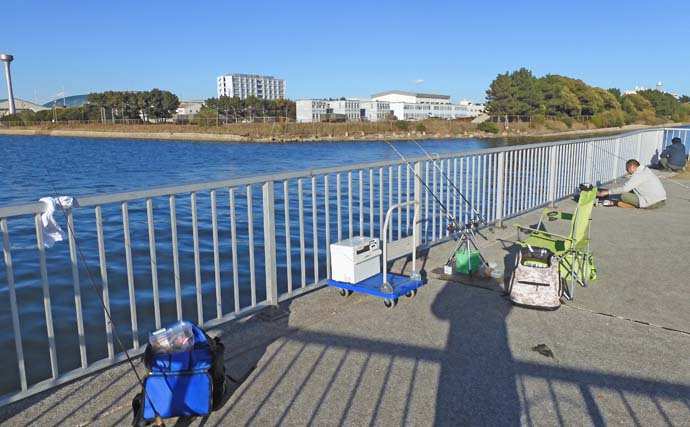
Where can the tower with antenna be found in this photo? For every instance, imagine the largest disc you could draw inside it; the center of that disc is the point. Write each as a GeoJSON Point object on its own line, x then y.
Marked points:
{"type": "Point", "coordinates": [6, 59]}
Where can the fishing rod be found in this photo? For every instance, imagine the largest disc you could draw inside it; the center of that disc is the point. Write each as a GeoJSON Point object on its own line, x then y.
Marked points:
{"type": "Point", "coordinates": [158, 421]}
{"type": "Point", "coordinates": [478, 215]}
{"type": "Point", "coordinates": [624, 159]}
{"type": "Point", "coordinates": [449, 216]}
{"type": "Point", "coordinates": [467, 237]}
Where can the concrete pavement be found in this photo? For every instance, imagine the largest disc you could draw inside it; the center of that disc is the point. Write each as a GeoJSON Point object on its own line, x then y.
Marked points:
{"type": "Point", "coordinates": [458, 353]}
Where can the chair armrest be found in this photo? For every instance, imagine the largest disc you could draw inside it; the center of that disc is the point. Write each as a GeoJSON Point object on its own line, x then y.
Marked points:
{"type": "Point", "coordinates": [535, 231]}
{"type": "Point", "coordinates": [553, 214]}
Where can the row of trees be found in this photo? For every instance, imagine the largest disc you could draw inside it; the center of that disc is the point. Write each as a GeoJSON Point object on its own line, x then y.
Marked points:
{"type": "Point", "coordinates": [521, 93]}
{"type": "Point", "coordinates": [236, 109]}
{"type": "Point", "coordinates": [154, 104]}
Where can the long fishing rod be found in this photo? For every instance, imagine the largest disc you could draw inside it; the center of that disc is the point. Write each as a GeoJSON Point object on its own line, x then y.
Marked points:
{"type": "Point", "coordinates": [158, 419]}
{"type": "Point", "coordinates": [467, 230]}
{"type": "Point", "coordinates": [624, 159]}
{"type": "Point", "coordinates": [478, 215]}
{"type": "Point", "coordinates": [453, 222]}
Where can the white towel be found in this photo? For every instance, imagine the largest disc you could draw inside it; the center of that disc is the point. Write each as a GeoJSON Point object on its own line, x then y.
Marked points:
{"type": "Point", "coordinates": [51, 230]}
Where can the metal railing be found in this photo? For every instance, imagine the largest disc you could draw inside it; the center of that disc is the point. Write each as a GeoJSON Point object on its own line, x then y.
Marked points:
{"type": "Point", "coordinates": [217, 251]}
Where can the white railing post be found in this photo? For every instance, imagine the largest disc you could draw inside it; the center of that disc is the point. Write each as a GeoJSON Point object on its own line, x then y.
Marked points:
{"type": "Point", "coordinates": [617, 158]}
{"type": "Point", "coordinates": [270, 243]}
{"type": "Point", "coordinates": [589, 166]}
{"type": "Point", "coordinates": [500, 172]}
{"type": "Point", "coordinates": [417, 206]}
{"type": "Point", "coordinates": [552, 175]}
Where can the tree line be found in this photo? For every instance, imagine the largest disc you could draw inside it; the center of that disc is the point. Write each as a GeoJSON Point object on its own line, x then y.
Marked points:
{"type": "Point", "coordinates": [237, 110]}
{"type": "Point", "coordinates": [153, 105]}
{"type": "Point", "coordinates": [520, 93]}
{"type": "Point", "coordinates": [146, 105]}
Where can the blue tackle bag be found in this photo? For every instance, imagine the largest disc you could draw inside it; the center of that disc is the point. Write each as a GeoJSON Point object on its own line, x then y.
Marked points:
{"type": "Point", "coordinates": [182, 379]}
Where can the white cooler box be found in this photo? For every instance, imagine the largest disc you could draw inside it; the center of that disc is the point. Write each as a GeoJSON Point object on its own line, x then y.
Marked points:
{"type": "Point", "coordinates": [355, 259]}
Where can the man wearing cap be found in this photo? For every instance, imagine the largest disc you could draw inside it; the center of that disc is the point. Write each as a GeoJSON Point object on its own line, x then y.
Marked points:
{"type": "Point", "coordinates": [673, 156]}
{"type": "Point", "coordinates": [642, 190]}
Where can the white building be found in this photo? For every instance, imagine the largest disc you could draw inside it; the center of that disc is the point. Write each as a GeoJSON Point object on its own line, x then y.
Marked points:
{"type": "Point", "coordinates": [386, 106]}
{"type": "Point", "coordinates": [245, 85]}
{"type": "Point", "coordinates": [310, 110]}
{"type": "Point", "coordinates": [376, 111]}
{"type": "Point", "coordinates": [189, 107]}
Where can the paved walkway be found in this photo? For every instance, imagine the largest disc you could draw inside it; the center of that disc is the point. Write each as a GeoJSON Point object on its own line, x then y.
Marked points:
{"type": "Point", "coordinates": [458, 353]}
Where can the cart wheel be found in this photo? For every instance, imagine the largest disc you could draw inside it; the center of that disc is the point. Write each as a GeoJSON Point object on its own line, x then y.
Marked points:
{"type": "Point", "coordinates": [390, 303]}
{"type": "Point", "coordinates": [345, 292]}
{"type": "Point", "coordinates": [411, 294]}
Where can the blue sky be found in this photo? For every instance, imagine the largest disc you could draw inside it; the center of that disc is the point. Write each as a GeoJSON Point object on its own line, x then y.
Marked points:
{"type": "Point", "coordinates": [340, 48]}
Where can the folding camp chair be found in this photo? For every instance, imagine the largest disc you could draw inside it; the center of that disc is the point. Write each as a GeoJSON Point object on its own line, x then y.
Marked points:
{"type": "Point", "coordinates": [576, 262]}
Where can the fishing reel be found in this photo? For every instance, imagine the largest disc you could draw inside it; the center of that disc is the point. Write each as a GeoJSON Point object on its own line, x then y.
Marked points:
{"type": "Point", "coordinates": [472, 225]}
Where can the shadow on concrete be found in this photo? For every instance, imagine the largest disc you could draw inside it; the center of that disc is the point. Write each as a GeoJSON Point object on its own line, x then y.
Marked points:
{"type": "Point", "coordinates": [477, 381]}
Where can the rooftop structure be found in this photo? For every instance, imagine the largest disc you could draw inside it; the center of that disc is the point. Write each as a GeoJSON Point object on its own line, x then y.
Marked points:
{"type": "Point", "coordinates": [19, 105]}
{"type": "Point", "coordinates": [410, 97]}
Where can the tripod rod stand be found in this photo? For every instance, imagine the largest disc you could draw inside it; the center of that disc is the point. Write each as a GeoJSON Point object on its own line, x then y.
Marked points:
{"type": "Point", "coordinates": [467, 239]}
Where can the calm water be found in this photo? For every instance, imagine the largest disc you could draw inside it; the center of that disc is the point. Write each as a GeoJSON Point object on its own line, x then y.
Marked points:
{"type": "Point", "coordinates": [35, 167]}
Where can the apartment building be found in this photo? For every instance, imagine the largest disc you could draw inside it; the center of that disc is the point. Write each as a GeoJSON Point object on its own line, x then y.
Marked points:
{"type": "Point", "coordinates": [245, 85]}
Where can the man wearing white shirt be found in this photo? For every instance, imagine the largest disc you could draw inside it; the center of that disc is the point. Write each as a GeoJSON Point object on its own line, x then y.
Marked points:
{"type": "Point", "coordinates": [642, 190]}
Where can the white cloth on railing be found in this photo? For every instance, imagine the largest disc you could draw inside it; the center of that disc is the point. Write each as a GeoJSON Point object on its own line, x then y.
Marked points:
{"type": "Point", "coordinates": [51, 230]}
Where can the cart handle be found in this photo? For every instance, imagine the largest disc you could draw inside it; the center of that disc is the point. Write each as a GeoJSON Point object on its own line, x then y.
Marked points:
{"type": "Point", "coordinates": [384, 233]}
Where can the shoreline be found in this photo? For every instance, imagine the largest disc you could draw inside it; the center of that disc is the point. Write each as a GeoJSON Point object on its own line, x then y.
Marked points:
{"type": "Point", "coordinates": [228, 137]}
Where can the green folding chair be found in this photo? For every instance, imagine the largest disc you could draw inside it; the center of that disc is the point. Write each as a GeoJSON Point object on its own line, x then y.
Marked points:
{"type": "Point", "coordinates": [576, 262]}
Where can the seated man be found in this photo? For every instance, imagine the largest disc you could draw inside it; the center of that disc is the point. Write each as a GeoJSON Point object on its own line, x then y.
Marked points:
{"type": "Point", "coordinates": [673, 156]}
{"type": "Point", "coordinates": [643, 189]}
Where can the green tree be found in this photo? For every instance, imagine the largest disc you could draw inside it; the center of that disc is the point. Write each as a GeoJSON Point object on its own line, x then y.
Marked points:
{"type": "Point", "coordinates": [615, 92]}
{"type": "Point", "coordinates": [500, 96]}
{"type": "Point", "coordinates": [559, 100]}
{"type": "Point", "coordinates": [207, 116]}
{"type": "Point", "coordinates": [665, 104]}
{"type": "Point", "coordinates": [528, 96]}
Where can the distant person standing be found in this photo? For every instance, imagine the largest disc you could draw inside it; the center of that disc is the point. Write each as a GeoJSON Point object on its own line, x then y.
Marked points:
{"type": "Point", "coordinates": [642, 190]}
{"type": "Point", "coordinates": [673, 156]}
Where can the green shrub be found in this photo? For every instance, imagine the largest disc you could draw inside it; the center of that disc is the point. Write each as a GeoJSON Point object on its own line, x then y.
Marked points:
{"type": "Point", "coordinates": [488, 126]}
{"type": "Point", "coordinates": [402, 125]}
{"type": "Point", "coordinates": [420, 127]}
{"type": "Point", "coordinates": [12, 119]}
{"type": "Point", "coordinates": [555, 125]}
{"type": "Point", "coordinates": [608, 119]}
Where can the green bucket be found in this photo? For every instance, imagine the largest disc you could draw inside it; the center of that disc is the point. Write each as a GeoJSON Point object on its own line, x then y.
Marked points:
{"type": "Point", "coordinates": [463, 262]}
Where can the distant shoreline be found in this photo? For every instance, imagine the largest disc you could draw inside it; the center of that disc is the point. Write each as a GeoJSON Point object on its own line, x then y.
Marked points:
{"type": "Point", "coordinates": [228, 137]}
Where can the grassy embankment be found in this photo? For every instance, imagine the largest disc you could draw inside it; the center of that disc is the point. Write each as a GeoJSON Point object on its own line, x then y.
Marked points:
{"type": "Point", "coordinates": [289, 132]}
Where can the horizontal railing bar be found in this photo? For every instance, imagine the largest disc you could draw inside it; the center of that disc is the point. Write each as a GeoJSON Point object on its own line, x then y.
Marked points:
{"type": "Point", "coordinates": [85, 201]}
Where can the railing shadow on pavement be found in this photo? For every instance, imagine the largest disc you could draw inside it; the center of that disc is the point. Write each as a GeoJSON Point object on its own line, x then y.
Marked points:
{"type": "Point", "coordinates": [473, 380]}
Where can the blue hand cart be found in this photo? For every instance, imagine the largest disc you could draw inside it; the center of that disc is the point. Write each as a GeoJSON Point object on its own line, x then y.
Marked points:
{"type": "Point", "coordinates": [390, 286]}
